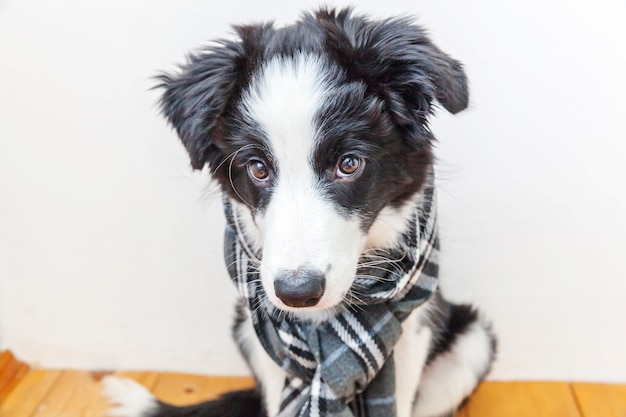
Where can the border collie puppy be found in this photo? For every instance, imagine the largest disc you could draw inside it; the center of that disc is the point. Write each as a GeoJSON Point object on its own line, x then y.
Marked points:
{"type": "Point", "coordinates": [318, 136]}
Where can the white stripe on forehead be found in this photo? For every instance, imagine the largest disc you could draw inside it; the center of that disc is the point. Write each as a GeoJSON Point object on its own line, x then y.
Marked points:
{"type": "Point", "coordinates": [284, 99]}
{"type": "Point", "coordinates": [300, 227]}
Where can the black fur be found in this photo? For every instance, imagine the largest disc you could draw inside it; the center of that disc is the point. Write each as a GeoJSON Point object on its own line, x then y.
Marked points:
{"type": "Point", "coordinates": [195, 100]}
{"type": "Point", "coordinates": [448, 322]}
{"type": "Point", "coordinates": [245, 403]}
{"type": "Point", "coordinates": [399, 64]}
{"type": "Point", "coordinates": [387, 74]}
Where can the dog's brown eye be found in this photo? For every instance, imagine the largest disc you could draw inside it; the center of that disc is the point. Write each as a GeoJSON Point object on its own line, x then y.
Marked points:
{"type": "Point", "coordinates": [349, 166]}
{"type": "Point", "coordinates": [258, 172]}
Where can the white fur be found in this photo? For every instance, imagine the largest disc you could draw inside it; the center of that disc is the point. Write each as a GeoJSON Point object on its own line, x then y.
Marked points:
{"type": "Point", "coordinates": [454, 374]}
{"type": "Point", "coordinates": [410, 354]}
{"type": "Point", "coordinates": [300, 226]}
{"type": "Point", "coordinates": [390, 224]}
{"type": "Point", "coordinates": [131, 398]}
{"type": "Point", "coordinates": [268, 373]}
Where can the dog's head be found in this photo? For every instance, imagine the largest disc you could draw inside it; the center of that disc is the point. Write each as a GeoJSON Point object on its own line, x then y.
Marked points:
{"type": "Point", "coordinates": [318, 133]}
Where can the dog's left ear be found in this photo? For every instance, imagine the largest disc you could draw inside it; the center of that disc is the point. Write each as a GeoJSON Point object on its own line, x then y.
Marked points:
{"type": "Point", "coordinates": [399, 62]}
{"type": "Point", "coordinates": [451, 88]}
{"type": "Point", "coordinates": [195, 99]}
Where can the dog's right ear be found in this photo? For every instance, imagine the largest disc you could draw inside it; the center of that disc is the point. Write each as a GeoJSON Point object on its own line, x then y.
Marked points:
{"type": "Point", "coordinates": [195, 98]}
{"type": "Point", "coordinates": [399, 62]}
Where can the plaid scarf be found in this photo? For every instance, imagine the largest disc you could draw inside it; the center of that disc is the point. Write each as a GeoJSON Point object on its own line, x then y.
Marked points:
{"type": "Point", "coordinates": [344, 366]}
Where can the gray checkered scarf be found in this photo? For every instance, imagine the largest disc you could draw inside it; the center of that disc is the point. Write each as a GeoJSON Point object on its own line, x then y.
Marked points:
{"type": "Point", "coordinates": [343, 366]}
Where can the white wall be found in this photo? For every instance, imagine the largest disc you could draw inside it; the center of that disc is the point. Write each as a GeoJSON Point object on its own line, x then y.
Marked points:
{"type": "Point", "coordinates": [110, 248]}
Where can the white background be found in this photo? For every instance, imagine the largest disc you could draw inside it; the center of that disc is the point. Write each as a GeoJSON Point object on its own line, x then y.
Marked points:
{"type": "Point", "coordinates": [110, 247]}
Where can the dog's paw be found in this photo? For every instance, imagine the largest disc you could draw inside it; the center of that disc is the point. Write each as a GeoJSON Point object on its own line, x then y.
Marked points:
{"type": "Point", "coordinates": [129, 399]}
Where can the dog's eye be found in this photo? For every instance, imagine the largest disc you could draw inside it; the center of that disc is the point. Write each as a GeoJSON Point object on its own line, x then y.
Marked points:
{"type": "Point", "coordinates": [258, 171]}
{"type": "Point", "coordinates": [349, 166]}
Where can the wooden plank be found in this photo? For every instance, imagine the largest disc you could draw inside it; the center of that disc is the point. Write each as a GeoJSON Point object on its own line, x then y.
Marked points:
{"type": "Point", "coordinates": [604, 400]}
{"type": "Point", "coordinates": [26, 397]}
{"type": "Point", "coordinates": [552, 399]}
{"type": "Point", "coordinates": [75, 394]}
{"type": "Point", "coordinates": [78, 393]}
{"type": "Point", "coordinates": [66, 394]}
{"type": "Point", "coordinates": [10, 384]}
{"type": "Point", "coordinates": [218, 385]}
{"type": "Point", "coordinates": [11, 372]}
{"type": "Point", "coordinates": [185, 389]}
{"type": "Point", "coordinates": [7, 372]}
{"type": "Point", "coordinates": [501, 399]}
{"type": "Point", "coordinates": [617, 396]}
{"type": "Point", "coordinates": [181, 389]}
{"type": "Point", "coordinates": [6, 357]}
{"type": "Point", "coordinates": [518, 399]}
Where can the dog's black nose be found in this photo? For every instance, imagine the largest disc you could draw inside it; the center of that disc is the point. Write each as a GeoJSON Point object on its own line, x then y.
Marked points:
{"type": "Point", "coordinates": [300, 288]}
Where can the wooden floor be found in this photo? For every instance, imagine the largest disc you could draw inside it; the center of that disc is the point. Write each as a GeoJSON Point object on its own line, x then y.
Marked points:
{"type": "Point", "coordinates": [26, 392]}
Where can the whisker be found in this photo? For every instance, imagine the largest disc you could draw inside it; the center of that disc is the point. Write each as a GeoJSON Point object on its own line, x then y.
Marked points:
{"type": "Point", "coordinates": [230, 179]}
{"type": "Point", "coordinates": [397, 270]}
{"type": "Point", "coordinates": [233, 154]}
{"type": "Point", "coordinates": [372, 277]}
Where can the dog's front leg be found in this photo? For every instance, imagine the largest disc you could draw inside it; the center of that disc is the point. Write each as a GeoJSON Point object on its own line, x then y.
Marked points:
{"type": "Point", "coordinates": [269, 375]}
{"type": "Point", "coordinates": [409, 357]}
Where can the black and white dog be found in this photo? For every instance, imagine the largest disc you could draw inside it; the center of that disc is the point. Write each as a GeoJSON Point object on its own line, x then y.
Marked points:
{"type": "Point", "coordinates": [318, 135]}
